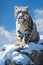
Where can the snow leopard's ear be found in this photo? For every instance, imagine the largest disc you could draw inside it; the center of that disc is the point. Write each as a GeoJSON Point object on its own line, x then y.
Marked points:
{"type": "Point", "coordinates": [25, 8]}
{"type": "Point", "coordinates": [15, 7]}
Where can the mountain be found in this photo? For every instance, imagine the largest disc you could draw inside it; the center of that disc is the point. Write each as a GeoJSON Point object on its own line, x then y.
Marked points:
{"type": "Point", "coordinates": [6, 37]}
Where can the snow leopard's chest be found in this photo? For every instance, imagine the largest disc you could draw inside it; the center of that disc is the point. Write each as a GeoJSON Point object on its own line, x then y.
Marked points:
{"type": "Point", "coordinates": [21, 27]}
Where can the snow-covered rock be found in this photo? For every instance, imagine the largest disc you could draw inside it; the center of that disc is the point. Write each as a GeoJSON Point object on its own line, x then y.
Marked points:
{"type": "Point", "coordinates": [22, 59]}
{"type": "Point", "coordinates": [21, 56]}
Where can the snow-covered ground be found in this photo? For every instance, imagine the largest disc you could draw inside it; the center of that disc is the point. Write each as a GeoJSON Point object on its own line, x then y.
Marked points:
{"type": "Point", "coordinates": [6, 37]}
{"type": "Point", "coordinates": [15, 56]}
{"type": "Point", "coordinates": [11, 52]}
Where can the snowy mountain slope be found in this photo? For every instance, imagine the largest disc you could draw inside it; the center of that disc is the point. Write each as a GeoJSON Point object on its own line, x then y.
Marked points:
{"type": "Point", "coordinates": [6, 37]}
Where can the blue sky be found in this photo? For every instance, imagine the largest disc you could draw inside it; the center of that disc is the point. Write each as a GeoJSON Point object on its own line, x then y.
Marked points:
{"type": "Point", "coordinates": [7, 19]}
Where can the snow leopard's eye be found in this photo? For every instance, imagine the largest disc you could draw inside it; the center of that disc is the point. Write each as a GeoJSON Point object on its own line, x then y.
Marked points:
{"type": "Point", "coordinates": [25, 16]}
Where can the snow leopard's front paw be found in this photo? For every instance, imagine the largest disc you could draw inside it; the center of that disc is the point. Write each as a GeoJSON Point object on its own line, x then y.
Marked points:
{"type": "Point", "coordinates": [25, 39]}
{"type": "Point", "coordinates": [21, 44]}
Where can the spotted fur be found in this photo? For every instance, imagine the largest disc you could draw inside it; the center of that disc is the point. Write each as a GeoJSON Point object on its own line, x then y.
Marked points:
{"type": "Point", "coordinates": [26, 30]}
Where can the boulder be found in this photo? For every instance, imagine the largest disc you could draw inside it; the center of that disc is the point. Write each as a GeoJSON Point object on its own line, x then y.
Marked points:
{"type": "Point", "coordinates": [30, 54]}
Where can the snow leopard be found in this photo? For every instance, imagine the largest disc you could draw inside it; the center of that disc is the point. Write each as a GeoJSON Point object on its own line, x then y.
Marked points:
{"type": "Point", "coordinates": [26, 30]}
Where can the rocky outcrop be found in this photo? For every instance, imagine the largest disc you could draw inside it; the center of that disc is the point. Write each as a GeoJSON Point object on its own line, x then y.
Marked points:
{"type": "Point", "coordinates": [37, 58]}
{"type": "Point", "coordinates": [30, 54]}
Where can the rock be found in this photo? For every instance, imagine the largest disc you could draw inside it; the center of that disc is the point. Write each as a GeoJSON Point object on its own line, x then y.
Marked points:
{"type": "Point", "coordinates": [36, 57]}
{"type": "Point", "coordinates": [8, 62]}
{"type": "Point", "coordinates": [18, 59]}
{"type": "Point", "coordinates": [30, 54]}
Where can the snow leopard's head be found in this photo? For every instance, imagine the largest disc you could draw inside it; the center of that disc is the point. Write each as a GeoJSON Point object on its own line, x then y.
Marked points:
{"type": "Point", "coordinates": [21, 13]}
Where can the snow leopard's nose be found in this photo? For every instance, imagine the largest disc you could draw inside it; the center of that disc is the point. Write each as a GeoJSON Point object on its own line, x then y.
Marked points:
{"type": "Point", "coordinates": [20, 15]}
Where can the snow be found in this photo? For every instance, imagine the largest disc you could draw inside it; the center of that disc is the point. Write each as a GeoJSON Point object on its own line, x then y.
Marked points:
{"type": "Point", "coordinates": [21, 59]}
{"type": "Point", "coordinates": [32, 48]}
{"type": "Point", "coordinates": [8, 49]}
{"type": "Point", "coordinates": [17, 56]}
{"type": "Point", "coordinates": [41, 36]}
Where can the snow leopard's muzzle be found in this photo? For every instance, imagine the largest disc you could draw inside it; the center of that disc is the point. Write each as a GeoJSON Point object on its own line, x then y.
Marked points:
{"type": "Point", "coordinates": [22, 17]}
